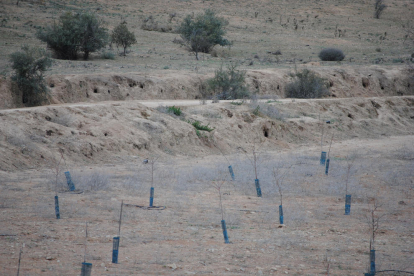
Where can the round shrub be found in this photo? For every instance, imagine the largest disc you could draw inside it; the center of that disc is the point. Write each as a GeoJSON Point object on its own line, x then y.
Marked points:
{"type": "Point", "coordinates": [108, 55]}
{"type": "Point", "coordinates": [228, 84]}
{"type": "Point", "coordinates": [307, 84]}
{"type": "Point", "coordinates": [331, 54]}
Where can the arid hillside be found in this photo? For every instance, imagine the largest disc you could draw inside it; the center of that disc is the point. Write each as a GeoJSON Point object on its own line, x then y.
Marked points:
{"type": "Point", "coordinates": [129, 131]}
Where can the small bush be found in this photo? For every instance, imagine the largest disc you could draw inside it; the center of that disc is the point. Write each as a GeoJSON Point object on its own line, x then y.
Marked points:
{"type": "Point", "coordinates": [331, 54]}
{"type": "Point", "coordinates": [228, 84]}
{"type": "Point", "coordinates": [108, 55]}
{"type": "Point", "coordinates": [64, 119]}
{"type": "Point", "coordinates": [29, 65]}
{"type": "Point", "coordinates": [175, 110]}
{"type": "Point", "coordinates": [256, 111]}
{"type": "Point", "coordinates": [199, 126]}
{"type": "Point", "coordinates": [92, 181]}
{"type": "Point", "coordinates": [268, 110]}
{"type": "Point", "coordinates": [307, 85]}
{"type": "Point", "coordinates": [149, 24]}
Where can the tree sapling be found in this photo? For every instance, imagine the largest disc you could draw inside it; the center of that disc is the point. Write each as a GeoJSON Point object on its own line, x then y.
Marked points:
{"type": "Point", "coordinates": [328, 160]}
{"type": "Point", "coordinates": [217, 185]}
{"type": "Point", "coordinates": [151, 162]}
{"type": "Point", "coordinates": [255, 161]}
{"type": "Point", "coordinates": [373, 219]}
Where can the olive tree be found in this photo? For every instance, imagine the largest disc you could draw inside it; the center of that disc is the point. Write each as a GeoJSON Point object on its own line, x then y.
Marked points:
{"type": "Point", "coordinates": [29, 64]}
{"type": "Point", "coordinates": [204, 32]}
{"type": "Point", "coordinates": [121, 36]}
{"type": "Point", "coordinates": [75, 33]}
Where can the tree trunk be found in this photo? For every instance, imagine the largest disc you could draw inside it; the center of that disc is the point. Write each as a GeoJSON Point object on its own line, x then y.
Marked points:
{"type": "Point", "coordinates": [25, 97]}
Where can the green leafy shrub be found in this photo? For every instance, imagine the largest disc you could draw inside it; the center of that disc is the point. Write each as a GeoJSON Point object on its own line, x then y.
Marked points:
{"type": "Point", "coordinates": [307, 84]}
{"type": "Point", "coordinates": [228, 84]}
{"type": "Point", "coordinates": [108, 55]}
{"type": "Point", "coordinates": [331, 54]}
{"type": "Point", "coordinates": [73, 33]}
{"type": "Point", "coordinates": [199, 126]}
{"type": "Point", "coordinates": [29, 64]}
{"type": "Point", "coordinates": [204, 32]}
{"type": "Point", "coordinates": [265, 109]}
{"type": "Point", "coordinates": [256, 111]}
{"type": "Point", "coordinates": [121, 36]}
{"type": "Point", "coordinates": [175, 110]}
{"type": "Point", "coordinates": [237, 103]}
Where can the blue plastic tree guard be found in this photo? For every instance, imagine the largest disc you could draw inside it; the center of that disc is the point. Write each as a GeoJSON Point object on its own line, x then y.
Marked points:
{"type": "Point", "coordinates": [69, 181]}
{"type": "Point", "coordinates": [280, 214]}
{"type": "Point", "coordinates": [258, 190]}
{"type": "Point", "coordinates": [372, 261]}
{"type": "Point", "coordinates": [223, 226]}
{"type": "Point", "coordinates": [231, 173]}
{"type": "Point", "coordinates": [57, 207]}
{"type": "Point", "coordinates": [115, 250]}
{"type": "Point", "coordinates": [327, 167]}
{"type": "Point", "coordinates": [86, 269]}
{"type": "Point", "coordinates": [323, 157]}
{"type": "Point", "coordinates": [347, 204]}
{"type": "Point", "coordinates": [151, 197]}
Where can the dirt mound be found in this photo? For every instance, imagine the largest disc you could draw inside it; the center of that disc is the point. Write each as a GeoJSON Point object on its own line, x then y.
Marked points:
{"type": "Point", "coordinates": [105, 132]}
{"type": "Point", "coordinates": [345, 81]}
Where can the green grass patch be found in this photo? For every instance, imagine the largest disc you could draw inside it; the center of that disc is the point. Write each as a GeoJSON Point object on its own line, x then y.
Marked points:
{"type": "Point", "coordinates": [273, 101]}
{"type": "Point", "coordinates": [237, 103]}
{"type": "Point", "coordinates": [199, 126]}
{"type": "Point", "coordinates": [175, 110]}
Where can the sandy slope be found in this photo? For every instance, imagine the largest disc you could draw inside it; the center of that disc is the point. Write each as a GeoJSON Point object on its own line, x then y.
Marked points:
{"type": "Point", "coordinates": [90, 133]}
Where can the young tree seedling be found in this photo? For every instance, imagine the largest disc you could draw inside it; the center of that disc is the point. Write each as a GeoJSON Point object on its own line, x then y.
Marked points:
{"type": "Point", "coordinates": [228, 162]}
{"type": "Point", "coordinates": [255, 161]}
{"type": "Point", "coordinates": [328, 157]}
{"type": "Point", "coordinates": [20, 257]}
{"type": "Point", "coordinates": [323, 153]}
{"type": "Point", "coordinates": [56, 169]}
{"type": "Point", "coordinates": [327, 263]}
{"type": "Point", "coordinates": [217, 185]}
{"type": "Point", "coordinates": [278, 177]}
{"type": "Point", "coordinates": [349, 164]}
{"type": "Point", "coordinates": [373, 220]}
{"type": "Point", "coordinates": [151, 169]}
{"type": "Point", "coordinates": [116, 239]}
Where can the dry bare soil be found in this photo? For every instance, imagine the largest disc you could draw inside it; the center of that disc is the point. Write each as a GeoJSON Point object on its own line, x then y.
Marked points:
{"type": "Point", "coordinates": [108, 116]}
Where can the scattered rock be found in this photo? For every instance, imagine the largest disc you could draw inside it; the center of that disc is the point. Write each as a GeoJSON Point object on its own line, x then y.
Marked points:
{"type": "Point", "coordinates": [172, 266]}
